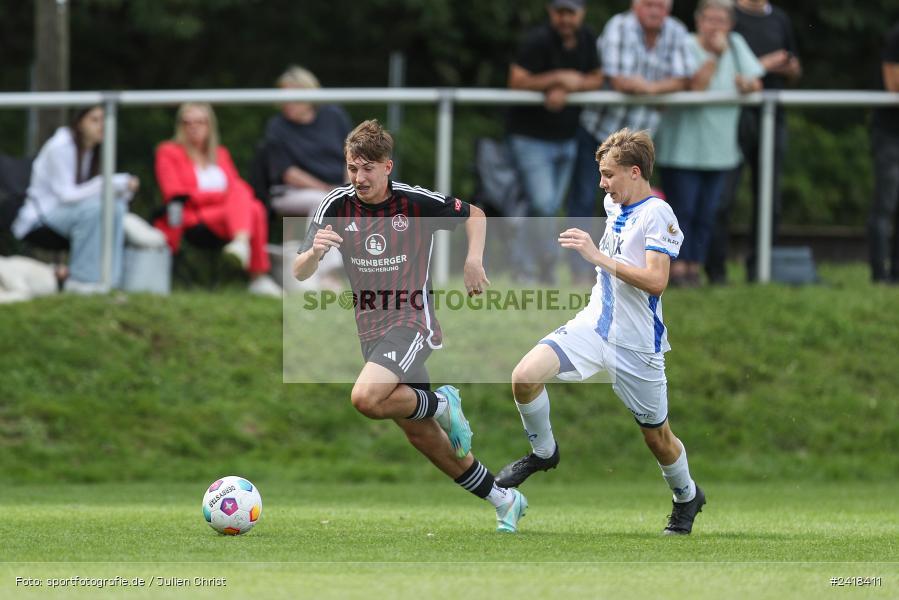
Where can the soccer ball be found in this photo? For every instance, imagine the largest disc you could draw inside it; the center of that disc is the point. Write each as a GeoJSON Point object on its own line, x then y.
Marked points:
{"type": "Point", "coordinates": [232, 505]}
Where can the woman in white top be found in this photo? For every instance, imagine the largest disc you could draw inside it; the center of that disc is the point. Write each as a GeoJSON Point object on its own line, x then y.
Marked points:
{"type": "Point", "coordinates": [65, 195]}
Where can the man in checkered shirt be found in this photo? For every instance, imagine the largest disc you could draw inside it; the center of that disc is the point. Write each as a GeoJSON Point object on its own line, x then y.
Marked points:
{"type": "Point", "coordinates": [643, 51]}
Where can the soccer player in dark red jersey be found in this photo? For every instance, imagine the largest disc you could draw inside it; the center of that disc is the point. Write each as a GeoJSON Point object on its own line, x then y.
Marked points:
{"type": "Point", "coordinates": [384, 230]}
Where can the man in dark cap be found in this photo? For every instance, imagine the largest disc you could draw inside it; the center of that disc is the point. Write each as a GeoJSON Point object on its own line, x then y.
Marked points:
{"type": "Point", "coordinates": [556, 58]}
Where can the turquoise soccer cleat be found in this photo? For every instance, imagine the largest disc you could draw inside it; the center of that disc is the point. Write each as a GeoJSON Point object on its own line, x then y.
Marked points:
{"type": "Point", "coordinates": [508, 515]}
{"type": "Point", "coordinates": [454, 422]}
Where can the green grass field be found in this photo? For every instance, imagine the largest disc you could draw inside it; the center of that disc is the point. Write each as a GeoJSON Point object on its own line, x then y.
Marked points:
{"type": "Point", "coordinates": [434, 541]}
{"type": "Point", "coordinates": [765, 382]}
{"type": "Point", "coordinates": [117, 411]}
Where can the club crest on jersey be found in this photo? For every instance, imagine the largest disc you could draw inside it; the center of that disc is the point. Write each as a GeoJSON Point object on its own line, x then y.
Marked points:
{"type": "Point", "coordinates": [400, 223]}
{"type": "Point", "coordinates": [375, 244]}
{"type": "Point", "coordinates": [458, 205]}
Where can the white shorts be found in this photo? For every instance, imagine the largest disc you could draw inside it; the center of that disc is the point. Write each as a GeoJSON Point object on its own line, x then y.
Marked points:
{"type": "Point", "coordinates": [637, 378]}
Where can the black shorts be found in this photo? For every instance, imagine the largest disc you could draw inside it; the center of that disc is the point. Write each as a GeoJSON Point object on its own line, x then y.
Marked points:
{"type": "Point", "coordinates": [402, 350]}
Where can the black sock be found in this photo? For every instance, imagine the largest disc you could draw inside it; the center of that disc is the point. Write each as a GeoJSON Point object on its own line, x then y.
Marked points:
{"type": "Point", "coordinates": [426, 407]}
{"type": "Point", "coordinates": [477, 480]}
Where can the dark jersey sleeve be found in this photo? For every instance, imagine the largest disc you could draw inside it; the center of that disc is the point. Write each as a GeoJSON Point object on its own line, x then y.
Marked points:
{"type": "Point", "coordinates": [445, 212]}
{"type": "Point", "coordinates": [320, 220]}
{"type": "Point", "coordinates": [310, 237]}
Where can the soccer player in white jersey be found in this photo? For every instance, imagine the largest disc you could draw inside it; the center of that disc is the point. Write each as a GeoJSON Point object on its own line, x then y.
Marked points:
{"type": "Point", "coordinates": [620, 331]}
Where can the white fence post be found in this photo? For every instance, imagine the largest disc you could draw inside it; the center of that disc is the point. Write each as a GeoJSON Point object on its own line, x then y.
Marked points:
{"type": "Point", "coordinates": [110, 117]}
{"type": "Point", "coordinates": [764, 221]}
{"type": "Point", "coordinates": [443, 176]}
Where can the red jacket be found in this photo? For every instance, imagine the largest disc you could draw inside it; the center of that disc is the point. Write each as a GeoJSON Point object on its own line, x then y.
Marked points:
{"type": "Point", "coordinates": [176, 177]}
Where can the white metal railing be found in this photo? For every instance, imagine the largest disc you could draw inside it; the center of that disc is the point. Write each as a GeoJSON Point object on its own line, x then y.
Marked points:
{"type": "Point", "coordinates": [444, 99]}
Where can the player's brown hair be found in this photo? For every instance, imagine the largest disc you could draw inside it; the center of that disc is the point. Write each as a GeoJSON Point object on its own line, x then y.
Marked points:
{"type": "Point", "coordinates": [370, 142]}
{"type": "Point", "coordinates": [630, 149]}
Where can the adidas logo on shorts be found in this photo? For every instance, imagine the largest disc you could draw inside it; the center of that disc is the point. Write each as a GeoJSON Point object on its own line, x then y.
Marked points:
{"type": "Point", "coordinates": [391, 355]}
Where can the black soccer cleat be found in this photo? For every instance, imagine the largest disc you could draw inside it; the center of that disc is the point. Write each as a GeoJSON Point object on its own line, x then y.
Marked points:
{"type": "Point", "coordinates": [514, 474]}
{"type": "Point", "coordinates": [680, 521]}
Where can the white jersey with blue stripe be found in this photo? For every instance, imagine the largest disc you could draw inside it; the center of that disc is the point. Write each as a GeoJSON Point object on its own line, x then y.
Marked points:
{"type": "Point", "coordinates": [623, 314]}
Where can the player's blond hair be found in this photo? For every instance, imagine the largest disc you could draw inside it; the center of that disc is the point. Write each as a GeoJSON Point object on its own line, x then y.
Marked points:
{"type": "Point", "coordinates": [629, 149]}
{"type": "Point", "coordinates": [369, 141]}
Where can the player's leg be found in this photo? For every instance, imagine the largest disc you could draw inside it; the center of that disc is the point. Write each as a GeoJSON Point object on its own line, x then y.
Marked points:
{"type": "Point", "coordinates": [641, 385]}
{"type": "Point", "coordinates": [671, 455]}
{"type": "Point", "coordinates": [537, 367]}
{"type": "Point", "coordinates": [377, 398]}
{"type": "Point", "coordinates": [381, 392]}
{"type": "Point", "coordinates": [429, 438]}
{"type": "Point", "coordinates": [444, 405]}
{"type": "Point", "coordinates": [450, 417]}
{"type": "Point", "coordinates": [529, 390]}
{"type": "Point", "coordinates": [378, 392]}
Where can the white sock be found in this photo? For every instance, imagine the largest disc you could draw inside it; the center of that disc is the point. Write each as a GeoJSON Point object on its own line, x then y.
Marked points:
{"type": "Point", "coordinates": [535, 418]}
{"type": "Point", "coordinates": [677, 474]}
{"type": "Point", "coordinates": [441, 405]}
{"type": "Point", "coordinates": [498, 495]}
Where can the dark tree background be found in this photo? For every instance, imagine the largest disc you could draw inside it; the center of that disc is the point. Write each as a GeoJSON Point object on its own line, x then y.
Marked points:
{"type": "Point", "coordinates": [175, 44]}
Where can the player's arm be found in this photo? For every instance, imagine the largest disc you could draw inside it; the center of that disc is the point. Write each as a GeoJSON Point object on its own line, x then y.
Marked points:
{"type": "Point", "coordinates": [306, 262]}
{"type": "Point", "coordinates": [652, 279]}
{"type": "Point", "coordinates": [473, 273]}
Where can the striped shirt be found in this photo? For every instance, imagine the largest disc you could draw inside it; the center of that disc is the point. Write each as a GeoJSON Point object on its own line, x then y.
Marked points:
{"type": "Point", "coordinates": [386, 253]}
{"type": "Point", "coordinates": [624, 54]}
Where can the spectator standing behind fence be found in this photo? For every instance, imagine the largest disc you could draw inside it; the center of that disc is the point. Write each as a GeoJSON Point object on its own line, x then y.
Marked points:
{"type": "Point", "coordinates": [644, 51]}
{"type": "Point", "coordinates": [769, 32]}
{"type": "Point", "coordinates": [304, 148]}
{"type": "Point", "coordinates": [65, 195]}
{"type": "Point", "coordinates": [698, 145]}
{"type": "Point", "coordinates": [195, 168]}
{"type": "Point", "coordinates": [885, 147]}
{"type": "Point", "coordinates": [556, 58]}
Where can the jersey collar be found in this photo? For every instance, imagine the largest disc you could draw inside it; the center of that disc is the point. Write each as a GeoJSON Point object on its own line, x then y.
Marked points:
{"type": "Point", "coordinates": [391, 195]}
{"type": "Point", "coordinates": [631, 207]}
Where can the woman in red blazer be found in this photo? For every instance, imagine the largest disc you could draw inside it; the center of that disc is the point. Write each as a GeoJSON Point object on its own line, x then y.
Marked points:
{"type": "Point", "coordinates": [194, 166]}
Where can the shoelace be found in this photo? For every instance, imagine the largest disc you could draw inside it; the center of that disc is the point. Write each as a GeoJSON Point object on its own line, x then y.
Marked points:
{"type": "Point", "coordinates": [521, 464]}
{"type": "Point", "coordinates": [674, 519]}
